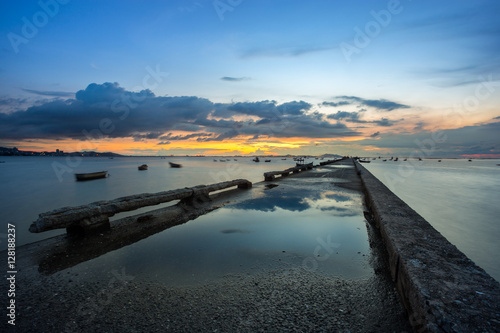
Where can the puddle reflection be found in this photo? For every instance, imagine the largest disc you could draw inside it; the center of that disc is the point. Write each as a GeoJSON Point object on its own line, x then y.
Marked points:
{"type": "Point", "coordinates": [313, 230]}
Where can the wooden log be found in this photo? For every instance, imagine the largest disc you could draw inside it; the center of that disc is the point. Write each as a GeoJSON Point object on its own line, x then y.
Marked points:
{"type": "Point", "coordinates": [98, 213]}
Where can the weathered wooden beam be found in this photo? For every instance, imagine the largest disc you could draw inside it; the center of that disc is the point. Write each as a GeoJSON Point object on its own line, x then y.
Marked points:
{"type": "Point", "coordinates": [98, 213]}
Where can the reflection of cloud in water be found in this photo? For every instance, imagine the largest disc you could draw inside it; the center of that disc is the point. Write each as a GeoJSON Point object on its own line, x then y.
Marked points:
{"type": "Point", "coordinates": [278, 199]}
{"type": "Point", "coordinates": [339, 211]}
{"type": "Point", "coordinates": [337, 197]}
{"type": "Point", "coordinates": [337, 203]}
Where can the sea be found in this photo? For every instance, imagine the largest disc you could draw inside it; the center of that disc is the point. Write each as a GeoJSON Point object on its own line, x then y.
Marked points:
{"type": "Point", "coordinates": [34, 185]}
{"type": "Point", "coordinates": [459, 198]}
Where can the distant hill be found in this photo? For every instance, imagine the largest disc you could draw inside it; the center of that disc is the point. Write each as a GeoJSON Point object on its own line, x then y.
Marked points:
{"type": "Point", "coordinates": [16, 152]}
{"type": "Point", "coordinates": [331, 155]}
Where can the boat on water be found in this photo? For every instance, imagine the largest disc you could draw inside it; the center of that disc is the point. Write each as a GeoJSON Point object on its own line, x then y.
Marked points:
{"type": "Point", "coordinates": [175, 165]}
{"type": "Point", "coordinates": [91, 175]}
{"type": "Point", "coordinates": [396, 159]}
{"type": "Point", "coordinates": [439, 160]}
{"type": "Point", "coordinates": [364, 161]}
{"type": "Point", "coordinates": [256, 159]}
{"type": "Point", "coordinates": [143, 167]}
{"type": "Point", "coordinates": [267, 161]}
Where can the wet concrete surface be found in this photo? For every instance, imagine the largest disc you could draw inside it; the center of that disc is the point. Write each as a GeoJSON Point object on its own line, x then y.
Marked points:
{"type": "Point", "coordinates": [294, 254]}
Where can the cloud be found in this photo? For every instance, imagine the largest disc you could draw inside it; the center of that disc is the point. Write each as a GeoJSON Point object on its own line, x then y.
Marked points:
{"type": "Point", "coordinates": [351, 116]}
{"type": "Point", "coordinates": [227, 135]}
{"type": "Point", "coordinates": [182, 137]}
{"type": "Point", "coordinates": [50, 93]}
{"type": "Point", "coordinates": [479, 139]}
{"type": "Point", "coordinates": [8, 101]}
{"type": "Point", "coordinates": [374, 135]}
{"type": "Point", "coordinates": [108, 110]}
{"type": "Point", "coordinates": [355, 118]}
{"type": "Point", "coordinates": [234, 79]}
{"type": "Point", "coordinates": [9, 104]}
{"type": "Point", "coordinates": [384, 122]}
{"type": "Point", "coordinates": [104, 110]}
{"type": "Point", "coordinates": [284, 52]}
{"type": "Point", "coordinates": [379, 104]}
{"type": "Point", "coordinates": [335, 104]}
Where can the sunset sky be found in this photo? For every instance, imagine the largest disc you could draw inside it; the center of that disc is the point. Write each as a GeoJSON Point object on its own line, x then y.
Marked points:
{"type": "Point", "coordinates": [233, 77]}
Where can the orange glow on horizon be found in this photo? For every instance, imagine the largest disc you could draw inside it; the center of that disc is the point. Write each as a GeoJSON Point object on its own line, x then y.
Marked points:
{"type": "Point", "coordinates": [481, 156]}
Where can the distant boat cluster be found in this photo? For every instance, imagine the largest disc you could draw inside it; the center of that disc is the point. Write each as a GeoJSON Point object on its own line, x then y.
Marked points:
{"type": "Point", "coordinates": [299, 161]}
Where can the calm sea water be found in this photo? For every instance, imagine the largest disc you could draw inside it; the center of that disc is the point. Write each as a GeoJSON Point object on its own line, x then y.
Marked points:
{"type": "Point", "coordinates": [34, 185]}
{"type": "Point", "coordinates": [459, 198]}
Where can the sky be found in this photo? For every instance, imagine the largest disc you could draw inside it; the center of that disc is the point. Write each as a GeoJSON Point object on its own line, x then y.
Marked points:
{"type": "Point", "coordinates": [251, 77]}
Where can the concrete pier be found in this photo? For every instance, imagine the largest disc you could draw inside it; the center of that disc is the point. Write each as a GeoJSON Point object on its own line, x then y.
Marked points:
{"type": "Point", "coordinates": [442, 289]}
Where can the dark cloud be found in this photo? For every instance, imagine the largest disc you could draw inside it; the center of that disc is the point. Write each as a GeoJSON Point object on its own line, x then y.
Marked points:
{"type": "Point", "coordinates": [379, 104]}
{"type": "Point", "coordinates": [384, 122]}
{"type": "Point", "coordinates": [182, 137]}
{"type": "Point", "coordinates": [355, 118]}
{"type": "Point", "coordinates": [374, 135]}
{"type": "Point", "coordinates": [234, 79]}
{"type": "Point", "coordinates": [104, 110]}
{"type": "Point", "coordinates": [351, 116]}
{"type": "Point", "coordinates": [335, 104]}
{"type": "Point", "coordinates": [497, 117]}
{"type": "Point", "coordinates": [50, 93]}
{"type": "Point", "coordinates": [227, 135]}
{"type": "Point", "coordinates": [266, 109]}
{"type": "Point", "coordinates": [108, 110]}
